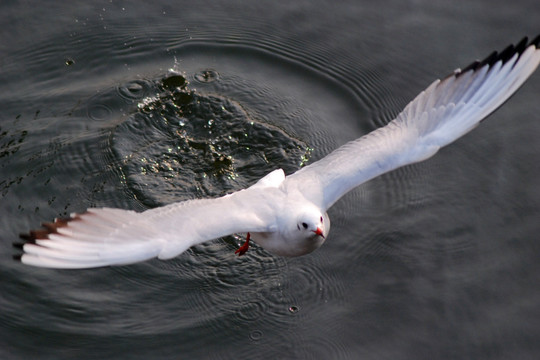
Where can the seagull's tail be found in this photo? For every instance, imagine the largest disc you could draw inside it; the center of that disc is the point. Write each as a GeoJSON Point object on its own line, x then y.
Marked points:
{"type": "Point", "coordinates": [98, 237]}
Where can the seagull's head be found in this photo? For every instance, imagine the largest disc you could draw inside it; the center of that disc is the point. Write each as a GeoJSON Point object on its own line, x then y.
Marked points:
{"type": "Point", "coordinates": [301, 230]}
{"type": "Point", "coordinates": [309, 230]}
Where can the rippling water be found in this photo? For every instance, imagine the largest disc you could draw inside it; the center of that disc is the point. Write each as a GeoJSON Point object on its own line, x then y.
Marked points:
{"type": "Point", "coordinates": [139, 104]}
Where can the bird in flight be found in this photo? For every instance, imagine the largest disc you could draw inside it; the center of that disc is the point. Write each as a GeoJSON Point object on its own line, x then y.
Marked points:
{"type": "Point", "coordinates": [287, 215]}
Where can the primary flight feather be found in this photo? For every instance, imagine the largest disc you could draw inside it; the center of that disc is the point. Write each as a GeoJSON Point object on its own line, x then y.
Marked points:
{"type": "Point", "coordinates": [287, 215]}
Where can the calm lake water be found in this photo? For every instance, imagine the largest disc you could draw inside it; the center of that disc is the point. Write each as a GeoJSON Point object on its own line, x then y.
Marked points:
{"type": "Point", "coordinates": [439, 260]}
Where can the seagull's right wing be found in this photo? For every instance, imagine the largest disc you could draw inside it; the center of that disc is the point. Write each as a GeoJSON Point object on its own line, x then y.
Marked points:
{"type": "Point", "coordinates": [439, 115]}
{"type": "Point", "coordinates": [104, 236]}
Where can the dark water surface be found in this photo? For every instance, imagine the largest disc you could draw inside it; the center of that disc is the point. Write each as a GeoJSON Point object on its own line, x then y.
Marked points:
{"type": "Point", "coordinates": [139, 104]}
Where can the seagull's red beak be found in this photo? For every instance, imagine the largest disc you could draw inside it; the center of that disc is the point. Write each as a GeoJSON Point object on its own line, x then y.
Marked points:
{"type": "Point", "coordinates": [319, 232]}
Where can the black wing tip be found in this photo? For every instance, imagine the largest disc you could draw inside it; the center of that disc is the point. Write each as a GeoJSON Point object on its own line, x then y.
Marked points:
{"type": "Point", "coordinates": [33, 235]}
{"type": "Point", "coordinates": [472, 66]}
{"type": "Point", "coordinates": [40, 234]}
{"type": "Point", "coordinates": [20, 251]}
{"type": "Point", "coordinates": [504, 56]}
{"type": "Point", "coordinates": [27, 238]}
{"type": "Point", "coordinates": [19, 246]}
{"type": "Point", "coordinates": [536, 41]}
{"type": "Point", "coordinates": [47, 229]}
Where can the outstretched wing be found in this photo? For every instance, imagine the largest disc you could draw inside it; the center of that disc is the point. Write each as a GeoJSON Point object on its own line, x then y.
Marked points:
{"type": "Point", "coordinates": [439, 115]}
{"type": "Point", "coordinates": [101, 237]}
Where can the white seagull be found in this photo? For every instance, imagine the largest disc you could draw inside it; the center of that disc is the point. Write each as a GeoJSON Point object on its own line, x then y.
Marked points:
{"type": "Point", "coordinates": [286, 215]}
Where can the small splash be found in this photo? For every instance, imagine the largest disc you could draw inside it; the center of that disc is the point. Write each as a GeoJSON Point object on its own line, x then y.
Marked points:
{"type": "Point", "coordinates": [207, 76]}
{"type": "Point", "coordinates": [305, 158]}
{"type": "Point", "coordinates": [181, 144]}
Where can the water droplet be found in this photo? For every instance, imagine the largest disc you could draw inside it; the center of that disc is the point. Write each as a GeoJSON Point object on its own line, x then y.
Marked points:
{"type": "Point", "coordinates": [293, 309]}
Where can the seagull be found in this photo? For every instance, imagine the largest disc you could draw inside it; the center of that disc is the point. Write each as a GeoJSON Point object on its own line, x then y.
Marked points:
{"type": "Point", "coordinates": [287, 215]}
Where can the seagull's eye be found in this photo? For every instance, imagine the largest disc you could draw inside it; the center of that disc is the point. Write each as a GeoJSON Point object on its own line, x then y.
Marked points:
{"type": "Point", "coordinates": [321, 219]}
{"type": "Point", "coordinates": [304, 225]}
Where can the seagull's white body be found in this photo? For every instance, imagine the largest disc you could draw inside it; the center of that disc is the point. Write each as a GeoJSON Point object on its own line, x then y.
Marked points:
{"type": "Point", "coordinates": [287, 215]}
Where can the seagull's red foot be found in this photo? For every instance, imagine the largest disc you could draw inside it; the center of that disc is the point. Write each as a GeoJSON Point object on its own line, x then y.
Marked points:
{"type": "Point", "coordinates": [244, 248]}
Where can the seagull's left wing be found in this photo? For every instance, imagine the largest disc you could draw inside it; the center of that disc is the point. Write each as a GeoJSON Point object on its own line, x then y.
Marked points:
{"type": "Point", "coordinates": [439, 115]}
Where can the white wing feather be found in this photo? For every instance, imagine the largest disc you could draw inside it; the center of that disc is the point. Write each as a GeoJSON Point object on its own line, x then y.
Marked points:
{"type": "Point", "coordinates": [101, 237]}
{"type": "Point", "coordinates": [439, 115]}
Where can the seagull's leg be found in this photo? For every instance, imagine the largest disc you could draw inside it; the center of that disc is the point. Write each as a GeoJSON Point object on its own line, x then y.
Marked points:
{"type": "Point", "coordinates": [242, 249]}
